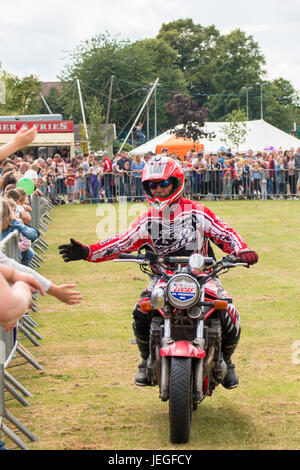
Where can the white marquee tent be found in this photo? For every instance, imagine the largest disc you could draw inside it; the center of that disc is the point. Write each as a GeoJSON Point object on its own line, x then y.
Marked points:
{"type": "Point", "coordinates": [260, 135]}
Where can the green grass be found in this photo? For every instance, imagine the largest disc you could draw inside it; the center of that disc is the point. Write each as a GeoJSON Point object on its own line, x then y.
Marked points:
{"type": "Point", "coordinates": [85, 397]}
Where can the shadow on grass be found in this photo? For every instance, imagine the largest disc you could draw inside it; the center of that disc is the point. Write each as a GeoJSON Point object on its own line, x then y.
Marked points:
{"type": "Point", "coordinates": [213, 428]}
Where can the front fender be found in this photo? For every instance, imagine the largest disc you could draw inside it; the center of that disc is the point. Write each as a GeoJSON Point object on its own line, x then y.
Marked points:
{"type": "Point", "coordinates": [183, 349]}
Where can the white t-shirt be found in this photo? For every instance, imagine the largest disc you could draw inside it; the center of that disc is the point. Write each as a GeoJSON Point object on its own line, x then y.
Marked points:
{"type": "Point", "coordinates": [31, 174]}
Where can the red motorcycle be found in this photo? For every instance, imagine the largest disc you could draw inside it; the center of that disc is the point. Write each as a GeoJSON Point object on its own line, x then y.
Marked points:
{"type": "Point", "coordinates": [185, 358]}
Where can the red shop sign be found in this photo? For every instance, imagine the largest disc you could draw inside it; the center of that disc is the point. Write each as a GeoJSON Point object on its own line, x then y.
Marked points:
{"type": "Point", "coordinates": [43, 127]}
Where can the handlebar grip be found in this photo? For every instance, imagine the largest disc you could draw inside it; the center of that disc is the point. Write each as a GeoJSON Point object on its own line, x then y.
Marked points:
{"type": "Point", "coordinates": [128, 256]}
{"type": "Point", "coordinates": [176, 260]}
{"type": "Point", "coordinates": [234, 259]}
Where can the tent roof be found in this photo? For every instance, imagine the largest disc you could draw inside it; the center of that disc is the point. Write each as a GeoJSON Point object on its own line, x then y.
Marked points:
{"type": "Point", "coordinates": [178, 145]}
{"type": "Point", "coordinates": [260, 135]}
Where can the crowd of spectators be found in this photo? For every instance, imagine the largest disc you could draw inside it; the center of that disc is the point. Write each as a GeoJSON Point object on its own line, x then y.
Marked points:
{"type": "Point", "coordinates": [91, 177]}
{"type": "Point", "coordinates": [18, 281]}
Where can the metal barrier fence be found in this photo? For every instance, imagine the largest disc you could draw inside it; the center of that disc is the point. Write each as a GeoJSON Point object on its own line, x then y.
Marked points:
{"type": "Point", "coordinates": [225, 183]}
{"type": "Point", "coordinates": [11, 343]}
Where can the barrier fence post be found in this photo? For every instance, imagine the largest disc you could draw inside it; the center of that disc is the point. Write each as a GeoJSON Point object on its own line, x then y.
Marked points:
{"type": "Point", "coordinates": [9, 341]}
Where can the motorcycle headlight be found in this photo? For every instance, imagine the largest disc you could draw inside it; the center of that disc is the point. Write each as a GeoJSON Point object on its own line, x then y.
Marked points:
{"type": "Point", "coordinates": [183, 291]}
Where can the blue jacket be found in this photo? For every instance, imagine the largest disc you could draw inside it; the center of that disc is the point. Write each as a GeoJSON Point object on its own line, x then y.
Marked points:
{"type": "Point", "coordinates": [28, 232]}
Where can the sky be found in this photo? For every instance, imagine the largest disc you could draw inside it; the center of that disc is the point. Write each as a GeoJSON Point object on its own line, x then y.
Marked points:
{"type": "Point", "coordinates": [36, 36]}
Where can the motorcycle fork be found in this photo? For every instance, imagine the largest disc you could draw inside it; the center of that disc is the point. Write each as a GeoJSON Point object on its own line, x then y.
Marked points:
{"type": "Point", "coordinates": [199, 342]}
{"type": "Point", "coordinates": [165, 362]}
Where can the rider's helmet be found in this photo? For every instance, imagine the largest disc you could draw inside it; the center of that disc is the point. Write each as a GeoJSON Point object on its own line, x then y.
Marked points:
{"type": "Point", "coordinates": [159, 168]}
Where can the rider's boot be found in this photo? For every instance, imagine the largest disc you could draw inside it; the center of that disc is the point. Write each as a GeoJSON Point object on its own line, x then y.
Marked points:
{"type": "Point", "coordinates": [231, 379]}
{"type": "Point", "coordinates": [141, 376]}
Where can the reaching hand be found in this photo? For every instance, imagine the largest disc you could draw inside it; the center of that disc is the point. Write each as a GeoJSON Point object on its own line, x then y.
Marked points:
{"type": "Point", "coordinates": [25, 136]}
{"type": "Point", "coordinates": [248, 256]}
{"type": "Point", "coordinates": [73, 251]}
{"type": "Point", "coordinates": [65, 293]}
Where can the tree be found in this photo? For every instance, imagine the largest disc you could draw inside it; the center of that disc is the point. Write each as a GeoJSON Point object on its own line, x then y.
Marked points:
{"type": "Point", "coordinates": [98, 133]}
{"type": "Point", "coordinates": [196, 51]}
{"type": "Point", "coordinates": [235, 131]}
{"type": "Point", "coordinates": [190, 118]}
{"type": "Point", "coordinates": [239, 63]}
{"type": "Point", "coordinates": [22, 96]}
{"type": "Point", "coordinates": [281, 104]}
{"type": "Point", "coordinates": [135, 67]}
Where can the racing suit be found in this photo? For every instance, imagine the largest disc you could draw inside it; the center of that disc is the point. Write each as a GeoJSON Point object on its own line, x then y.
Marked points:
{"type": "Point", "coordinates": [180, 230]}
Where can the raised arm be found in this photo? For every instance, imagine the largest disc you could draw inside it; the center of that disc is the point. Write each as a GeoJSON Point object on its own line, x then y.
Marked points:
{"type": "Point", "coordinates": [22, 138]}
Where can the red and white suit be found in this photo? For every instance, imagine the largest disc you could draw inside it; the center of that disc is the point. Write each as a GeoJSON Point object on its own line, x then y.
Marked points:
{"type": "Point", "coordinates": [181, 230]}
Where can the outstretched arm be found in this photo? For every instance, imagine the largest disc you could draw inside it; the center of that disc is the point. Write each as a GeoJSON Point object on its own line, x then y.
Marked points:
{"type": "Point", "coordinates": [22, 138]}
{"type": "Point", "coordinates": [14, 302]}
{"type": "Point", "coordinates": [64, 292]}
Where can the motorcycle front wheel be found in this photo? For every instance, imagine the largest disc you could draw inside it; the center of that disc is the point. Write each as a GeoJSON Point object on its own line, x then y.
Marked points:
{"type": "Point", "coordinates": [180, 399]}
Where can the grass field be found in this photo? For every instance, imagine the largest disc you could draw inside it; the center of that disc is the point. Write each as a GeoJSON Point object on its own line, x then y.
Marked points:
{"type": "Point", "coordinates": [85, 397]}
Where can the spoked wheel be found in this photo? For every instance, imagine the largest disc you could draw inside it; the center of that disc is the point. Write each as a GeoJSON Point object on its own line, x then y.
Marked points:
{"type": "Point", "coordinates": [180, 399]}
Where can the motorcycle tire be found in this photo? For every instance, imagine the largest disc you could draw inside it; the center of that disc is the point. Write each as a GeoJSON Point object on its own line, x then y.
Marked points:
{"type": "Point", "coordinates": [180, 399]}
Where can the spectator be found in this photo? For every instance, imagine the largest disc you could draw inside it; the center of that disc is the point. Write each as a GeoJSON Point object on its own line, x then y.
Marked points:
{"type": "Point", "coordinates": [137, 166]}
{"type": "Point", "coordinates": [188, 181]}
{"type": "Point", "coordinates": [107, 176]}
{"type": "Point", "coordinates": [291, 166]}
{"type": "Point", "coordinates": [256, 174]}
{"type": "Point", "coordinates": [81, 184]}
{"type": "Point", "coordinates": [121, 169]}
{"type": "Point", "coordinates": [32, 173]}
{"type": "Point", "coordinates": [138, 132]}
{"type": "Point", "coordinates": [206, 175]}
{"type": "Point", "coordinates": [70, 180]}
{"type": "Point", "coordinates": [238, 180]}
{"type": "Point", "coordinates": [228, 178]}
{"type": "Point", "coordinates": [271, 185]}
{"type": "Point", "coordinates": [6, 179]}
{"type": "Point", "coordinates": [21, 213]}
{"type": "Point", "coordinates": [61, 171]}
{"type": "Point", "coordinates": [10, 223]}
{"type": "Point", "coordinates": [197, 168]}
{"type": "Point", "coordinates": [279, 177]}
{"type": "Point", "coordinates": [264, 181]}
{"type": "Point", "coordinates": [215, 177]}
{"type": "Point", "coordinates": [297, 160]}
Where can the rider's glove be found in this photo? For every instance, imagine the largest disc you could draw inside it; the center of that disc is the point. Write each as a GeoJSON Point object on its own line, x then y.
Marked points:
{"type": "Point", "coordinates": [248, 256]}
{"type": "Point", "coordinates": [73, 251]}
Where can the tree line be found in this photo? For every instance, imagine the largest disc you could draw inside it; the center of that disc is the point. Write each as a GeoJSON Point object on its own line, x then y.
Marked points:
{"type": "Point", "coordinates": [221, 72]}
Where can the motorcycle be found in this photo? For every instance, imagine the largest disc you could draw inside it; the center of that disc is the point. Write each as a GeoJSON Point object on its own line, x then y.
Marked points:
{"type": "Point", "coordinates": [185, 358]}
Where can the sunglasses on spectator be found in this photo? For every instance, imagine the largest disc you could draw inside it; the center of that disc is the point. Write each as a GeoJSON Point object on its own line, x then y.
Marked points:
{"type": "Point", "coordinates": [162, 184]}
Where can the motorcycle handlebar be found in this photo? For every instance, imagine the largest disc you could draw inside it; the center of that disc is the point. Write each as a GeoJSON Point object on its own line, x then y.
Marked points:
{"type": "Point", "coordinates": [154, 258]}
{"type": "Point", "coordinates": [129, 256]}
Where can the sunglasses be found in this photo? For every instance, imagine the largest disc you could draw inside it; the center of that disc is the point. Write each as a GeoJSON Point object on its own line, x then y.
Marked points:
{"type": "Point", "coordinates": [162, 184]}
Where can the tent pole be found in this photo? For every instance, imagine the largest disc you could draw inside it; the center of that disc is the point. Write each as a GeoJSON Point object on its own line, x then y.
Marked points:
{"type": "Point", "coordinates": [83, 114]}
{"type": "Point", "coordinates": [140, 112]}
{"type": "Point", "coordinates": [46, 104]}
{"type": "Point", "coordinates": [155, 114]}
{"type": "Point", "coordinates": [108, 107]}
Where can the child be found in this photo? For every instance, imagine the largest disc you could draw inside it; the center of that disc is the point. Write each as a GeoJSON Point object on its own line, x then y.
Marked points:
{"type": "Point", "coordinates": [21, 213]}
{"type": "Point", "coordinates": [80, 180]}
{"type": "Point", "coordinates": [264, 181]}
{"type": "Point", "coordinates": [10, 223]}
{"type": "Point", "coordinates": [24, 201]}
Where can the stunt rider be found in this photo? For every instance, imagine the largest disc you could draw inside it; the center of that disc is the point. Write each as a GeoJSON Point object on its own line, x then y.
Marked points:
{"type": "Point", "coordinates": [172, 226]}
